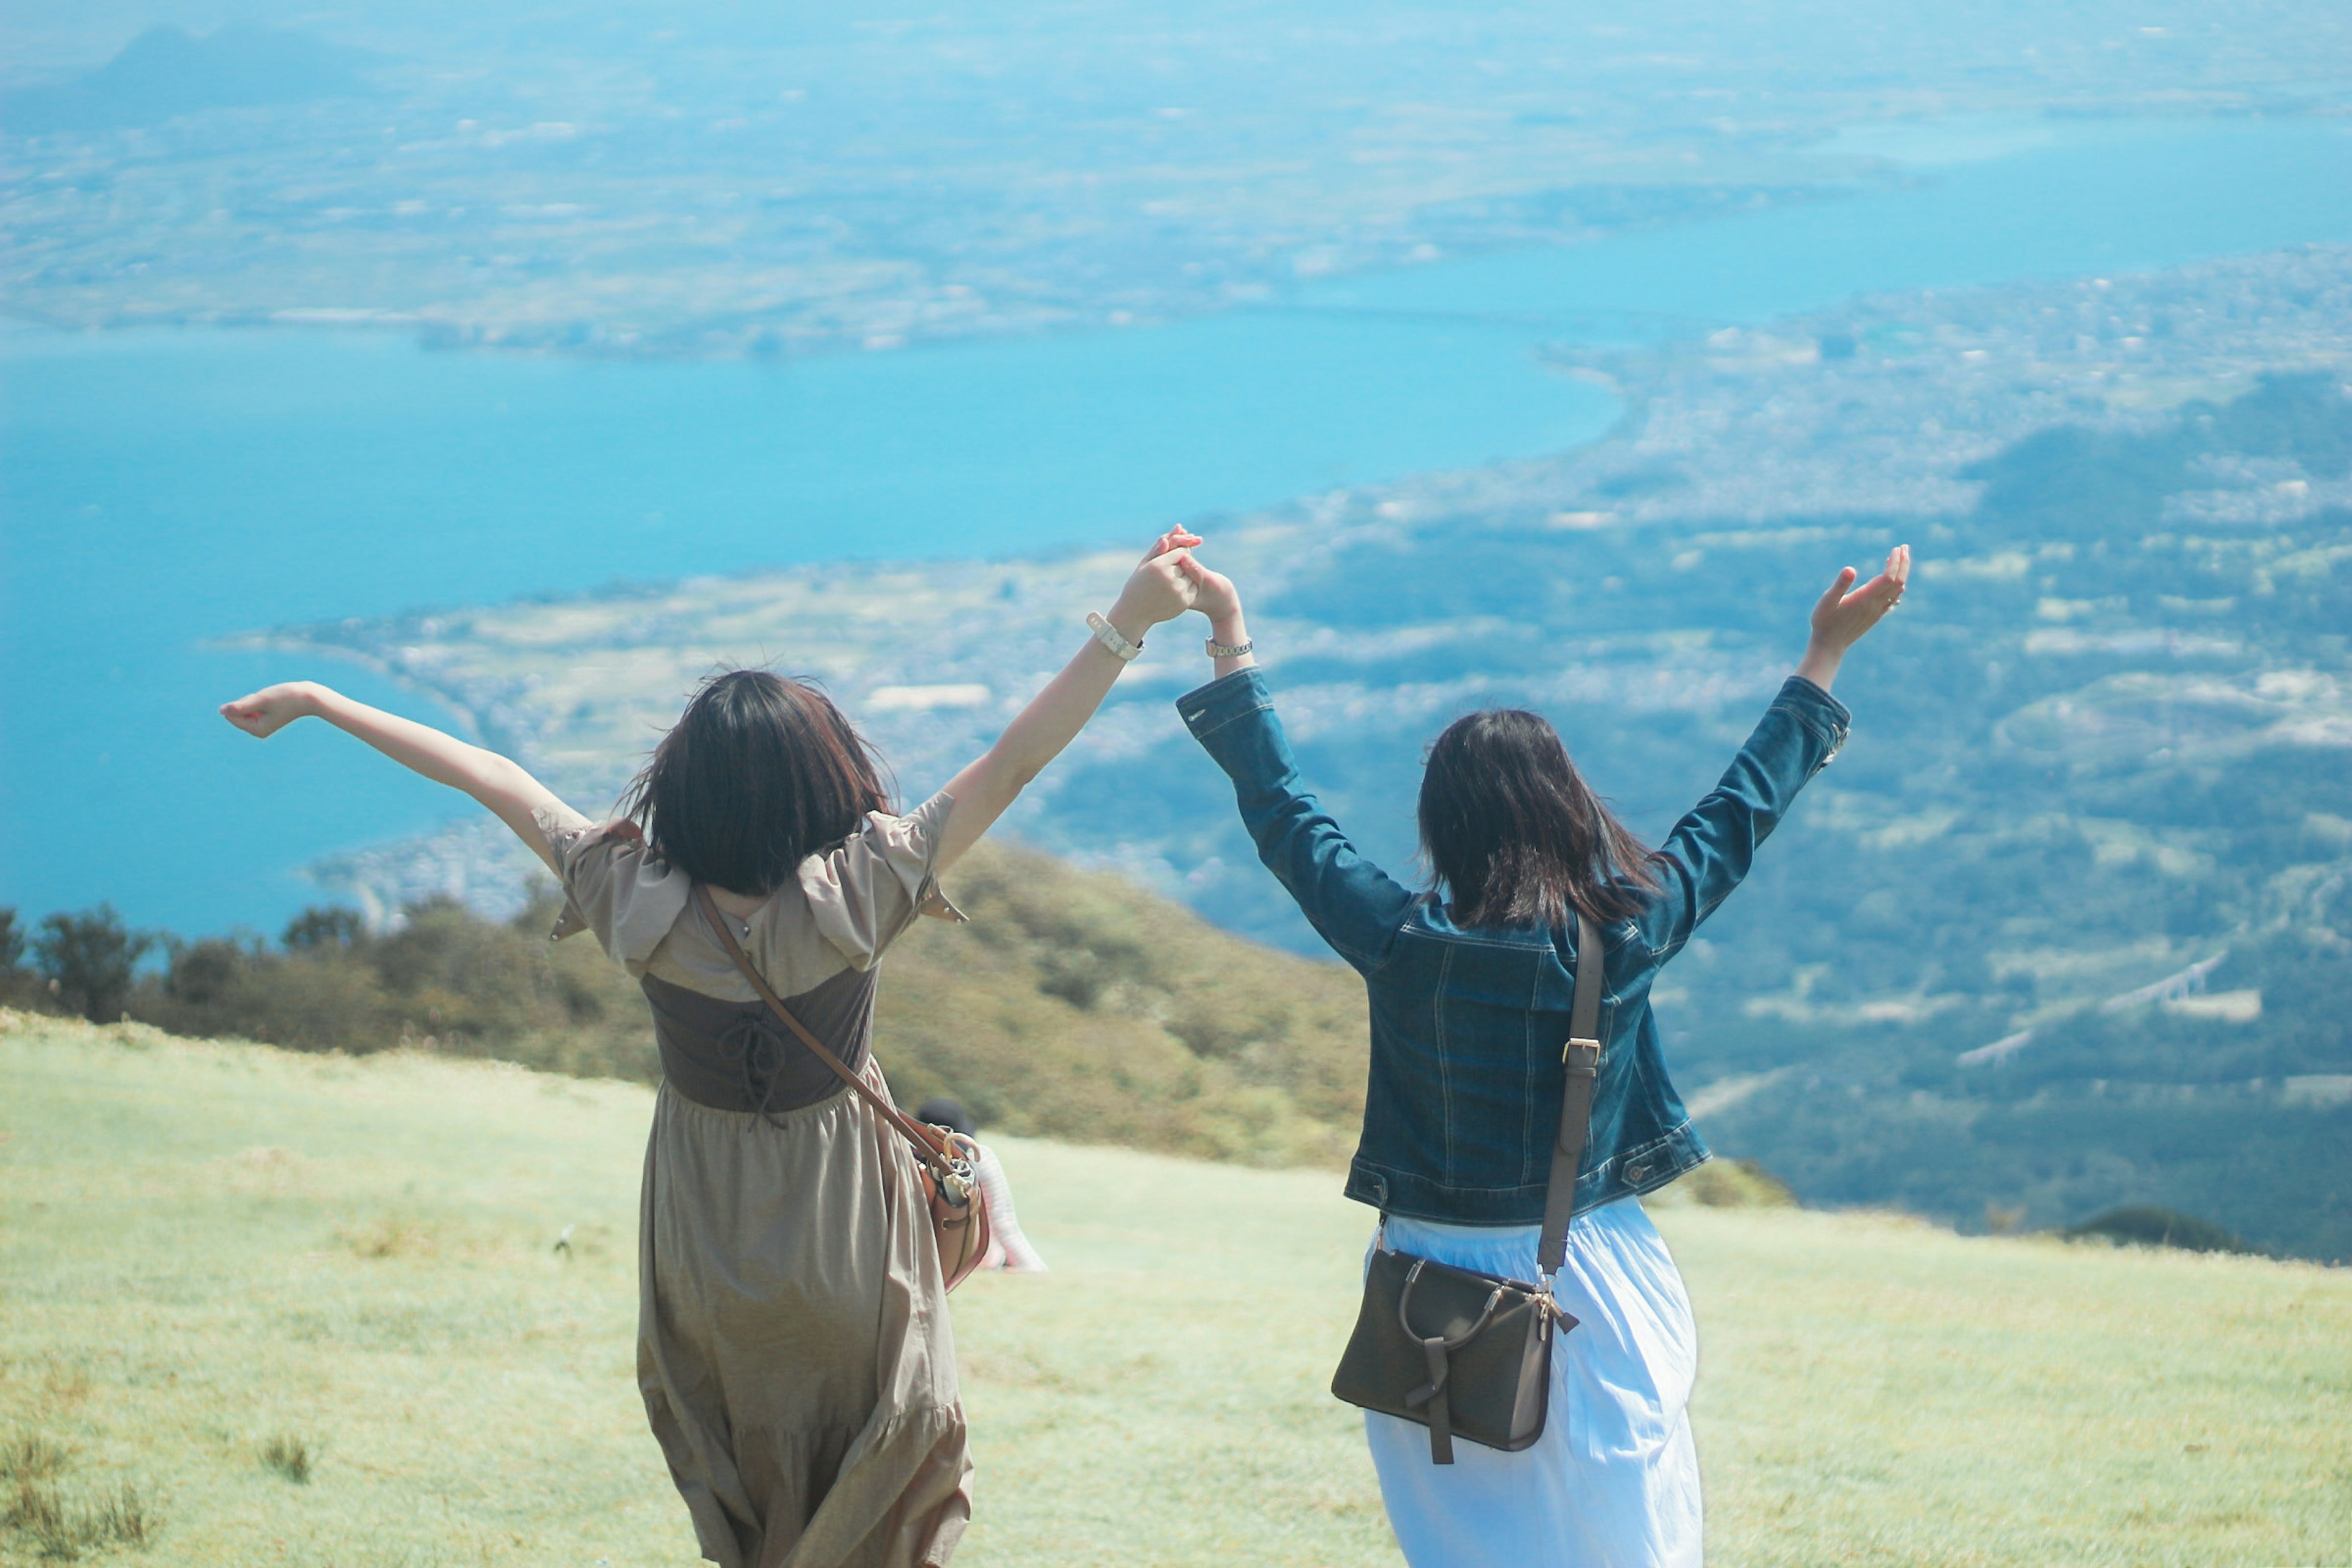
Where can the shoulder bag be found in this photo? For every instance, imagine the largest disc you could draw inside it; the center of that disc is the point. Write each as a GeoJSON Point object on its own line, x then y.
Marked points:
{"type": "Point", "coordinates": [1469, 1354]}
{"type": "Point", "coordinates": [944, 1157]}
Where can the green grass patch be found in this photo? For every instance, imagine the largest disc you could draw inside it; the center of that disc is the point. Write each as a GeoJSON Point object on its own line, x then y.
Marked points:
{"type": "Point", "coordinates": [221, 1263]}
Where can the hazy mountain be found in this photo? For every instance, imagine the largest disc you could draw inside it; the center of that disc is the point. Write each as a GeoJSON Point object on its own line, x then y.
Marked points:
{"type": "Point", "coordinates": [166, 72]}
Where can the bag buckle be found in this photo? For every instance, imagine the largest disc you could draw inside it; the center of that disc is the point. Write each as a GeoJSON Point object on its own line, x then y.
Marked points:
{"type": "Point", "coordinates": [1581, 1057]}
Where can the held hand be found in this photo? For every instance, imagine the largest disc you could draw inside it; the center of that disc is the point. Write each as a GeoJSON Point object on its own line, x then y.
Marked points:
{"type": "Point", "coordinates": [1214, 594]}
{"type": "Point", "coordinates": [1158, 590]}
{"type": "Point", "coordinates": [1841, 617]}
{"type": "Point", "coordinates": [273, 708]}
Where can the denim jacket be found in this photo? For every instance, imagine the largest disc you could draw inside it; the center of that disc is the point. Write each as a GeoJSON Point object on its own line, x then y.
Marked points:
{"type": "Point", "coordinates": [1461, 1100]}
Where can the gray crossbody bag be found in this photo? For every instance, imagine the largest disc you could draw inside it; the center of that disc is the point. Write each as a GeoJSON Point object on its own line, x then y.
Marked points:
{"type": "Point", "coordinates": [1469, 1354]}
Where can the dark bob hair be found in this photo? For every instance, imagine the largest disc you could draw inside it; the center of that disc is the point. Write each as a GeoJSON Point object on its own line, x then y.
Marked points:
{"type": "Point", "coordinates": [1514, 834]}
{"type": "Point", "coordinates": [759, 773]}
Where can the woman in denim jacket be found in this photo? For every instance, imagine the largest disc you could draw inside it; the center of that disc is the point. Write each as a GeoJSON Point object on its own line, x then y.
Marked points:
{"type": "Point", "coordinates": [1469, 989]}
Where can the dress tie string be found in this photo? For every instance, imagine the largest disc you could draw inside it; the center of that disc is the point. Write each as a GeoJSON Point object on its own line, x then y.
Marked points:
{"type": "Point", "coordinates": [756, 1048]}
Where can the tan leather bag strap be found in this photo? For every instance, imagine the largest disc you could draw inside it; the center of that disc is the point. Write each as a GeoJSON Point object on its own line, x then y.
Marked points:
{"type": "Point", "coordinates": [930, 1146]}
{"type": "Point", "coordinates": [1582, 1056]}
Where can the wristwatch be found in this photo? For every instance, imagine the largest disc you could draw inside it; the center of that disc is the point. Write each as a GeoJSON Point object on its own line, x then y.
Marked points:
{"type": "Point", "coordinates": [1112, 638]}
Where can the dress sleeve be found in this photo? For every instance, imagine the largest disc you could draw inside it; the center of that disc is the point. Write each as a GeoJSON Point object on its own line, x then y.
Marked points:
{"type": "Point", "coordinates": [868, 889]}
{"type": "Point", "coordinates": [611, 885]}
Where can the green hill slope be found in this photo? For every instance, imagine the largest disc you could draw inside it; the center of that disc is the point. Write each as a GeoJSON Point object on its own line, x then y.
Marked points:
{"type": "Point", "coordinates": [222, 1266]}
{"type": "Point", "coordinates": [1074, 1005]}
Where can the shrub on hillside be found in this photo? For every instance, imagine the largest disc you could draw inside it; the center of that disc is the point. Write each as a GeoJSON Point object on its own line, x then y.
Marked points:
{"type": "Point", "coordinates": [1724, 1183]}
{"type": "Point", "coordinates": [91, 961]}
{"type": "Point", "coordinates": [2148, 1226]}
{"type": "Point", "coordinates": [448, 980]}
{"type": "Point", "coordinates": [20, 986]}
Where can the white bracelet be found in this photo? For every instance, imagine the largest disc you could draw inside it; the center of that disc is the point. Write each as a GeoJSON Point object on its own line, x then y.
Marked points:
{"type": "Point", "coordinates": [1110, 637]}
{"type": "Point", "coordinates": [1230, 650]}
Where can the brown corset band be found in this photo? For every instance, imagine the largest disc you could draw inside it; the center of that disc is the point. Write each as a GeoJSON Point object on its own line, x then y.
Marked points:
{"type": "Point", "coordinates": [736, 1055]}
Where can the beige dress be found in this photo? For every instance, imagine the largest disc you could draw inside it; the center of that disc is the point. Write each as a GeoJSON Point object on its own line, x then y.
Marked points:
{"type": "Point", "coordinates": [793, 1339]}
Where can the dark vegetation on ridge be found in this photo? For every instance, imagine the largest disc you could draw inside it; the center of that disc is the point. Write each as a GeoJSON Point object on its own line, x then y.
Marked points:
{"type": "Point", "coordinates": [1075, 1007]}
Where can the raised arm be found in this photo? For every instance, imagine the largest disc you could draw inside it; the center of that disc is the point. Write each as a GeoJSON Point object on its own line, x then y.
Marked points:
{"type": "Point", "coordinates": [1351, 904]}
{"type": "Point", "coordinates": [1158, 590]}
{"type": "Point", "coordinates": [1711, 851]}
{"type": "Point", "coordinates": [498, 782]}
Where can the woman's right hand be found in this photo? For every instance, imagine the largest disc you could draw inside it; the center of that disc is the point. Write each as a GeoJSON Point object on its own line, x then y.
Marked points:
{"type": "Point", "coordinates": [1215, 596]}
{"type": "Point", "coordinates": [272, 707]}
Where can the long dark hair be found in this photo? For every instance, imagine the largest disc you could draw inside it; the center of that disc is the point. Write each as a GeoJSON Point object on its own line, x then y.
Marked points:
{"type": "Point", "coordinates": [1514, 834]}
{"type": "Point", "coordinates": [757, 774]}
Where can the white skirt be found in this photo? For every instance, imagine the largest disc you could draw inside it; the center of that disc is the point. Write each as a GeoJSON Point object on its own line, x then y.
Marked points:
{"type": "Point", "coordinates": [1614, 1481]}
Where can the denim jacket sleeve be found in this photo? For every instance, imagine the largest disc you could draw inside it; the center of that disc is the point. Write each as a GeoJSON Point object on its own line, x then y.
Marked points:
{"type": "Point", "coordinates": [1353, 904]}
{"type": "Point", "coordinates": [1711, 849]}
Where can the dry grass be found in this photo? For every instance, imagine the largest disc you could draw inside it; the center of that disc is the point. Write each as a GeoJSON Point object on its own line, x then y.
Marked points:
{"type": "Point", "coordinates": [288, 1455]}
{"type": "Point", "coordinates": [59, 1526]}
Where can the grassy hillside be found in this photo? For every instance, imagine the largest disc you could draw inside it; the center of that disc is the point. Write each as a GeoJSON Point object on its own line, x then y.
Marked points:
{"type": "Point", "coordinates": [223, 1266]}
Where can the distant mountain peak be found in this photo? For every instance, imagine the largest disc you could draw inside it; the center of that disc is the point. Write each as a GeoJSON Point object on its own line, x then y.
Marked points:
{"type": "Point", "coordinates": [167, 71]}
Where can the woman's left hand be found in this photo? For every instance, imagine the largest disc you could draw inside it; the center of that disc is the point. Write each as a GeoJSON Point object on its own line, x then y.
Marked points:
{"type": "Point", "coordinates": [1159, 589]}
{"type": "Point", "coordinates": [1845, 613]}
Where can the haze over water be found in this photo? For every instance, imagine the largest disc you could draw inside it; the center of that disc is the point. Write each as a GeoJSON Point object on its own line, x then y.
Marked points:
{"type": "Point", "coordinates": [162, 490]}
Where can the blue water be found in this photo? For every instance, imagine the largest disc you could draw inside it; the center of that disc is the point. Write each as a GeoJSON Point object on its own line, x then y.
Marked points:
{"type": "Point", "coordinates": [163, 489]}
{"type": "Point", "coordinates": [1990, 204]}
{"type": "Point", "coordinates": [157, 490]}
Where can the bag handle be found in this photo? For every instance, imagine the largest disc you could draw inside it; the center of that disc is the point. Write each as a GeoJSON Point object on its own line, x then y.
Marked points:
{"type": "Point", "coordinates": [1435, 1348]}
{"type": "Point", "coordinates": [930, 1147]}
{"type": "Point", "coordinates": [1582, 1058]}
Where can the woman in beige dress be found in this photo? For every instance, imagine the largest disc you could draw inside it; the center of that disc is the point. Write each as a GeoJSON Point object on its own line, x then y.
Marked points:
{"type": "Point", "coordinates": [793, 1343]}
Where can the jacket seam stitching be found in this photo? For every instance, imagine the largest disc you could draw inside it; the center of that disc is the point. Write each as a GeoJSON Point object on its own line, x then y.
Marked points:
{"type": "Point", "coordinates": [1444, 1079]}
{"type": "Point", "coordinates": [1671, 1135]}
{"type": "Point", "coordinates": [1528, 1070]}
{"type": "Point", "coordinates": [1202, 729]}
{"type": "Point", "coordinates": [1464, 940]}
{"type": "Point", "coordinates": [1828, 734]}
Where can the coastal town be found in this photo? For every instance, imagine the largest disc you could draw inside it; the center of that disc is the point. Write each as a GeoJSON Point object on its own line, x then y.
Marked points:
{"type": "Point", "coordinates": [623, 186]}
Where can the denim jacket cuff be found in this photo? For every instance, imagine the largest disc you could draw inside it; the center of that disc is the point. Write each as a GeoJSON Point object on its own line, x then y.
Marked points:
{"type": "Point", "coordinates": [1830, 720]}
{"type": "Point", "coordinates": [1206, 709]}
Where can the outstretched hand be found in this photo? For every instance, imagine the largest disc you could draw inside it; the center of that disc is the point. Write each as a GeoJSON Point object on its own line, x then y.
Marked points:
{"type": "Point", "coordinates": [272, 707]}
{"type": "Point", "coordinates": [1845, 613]}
